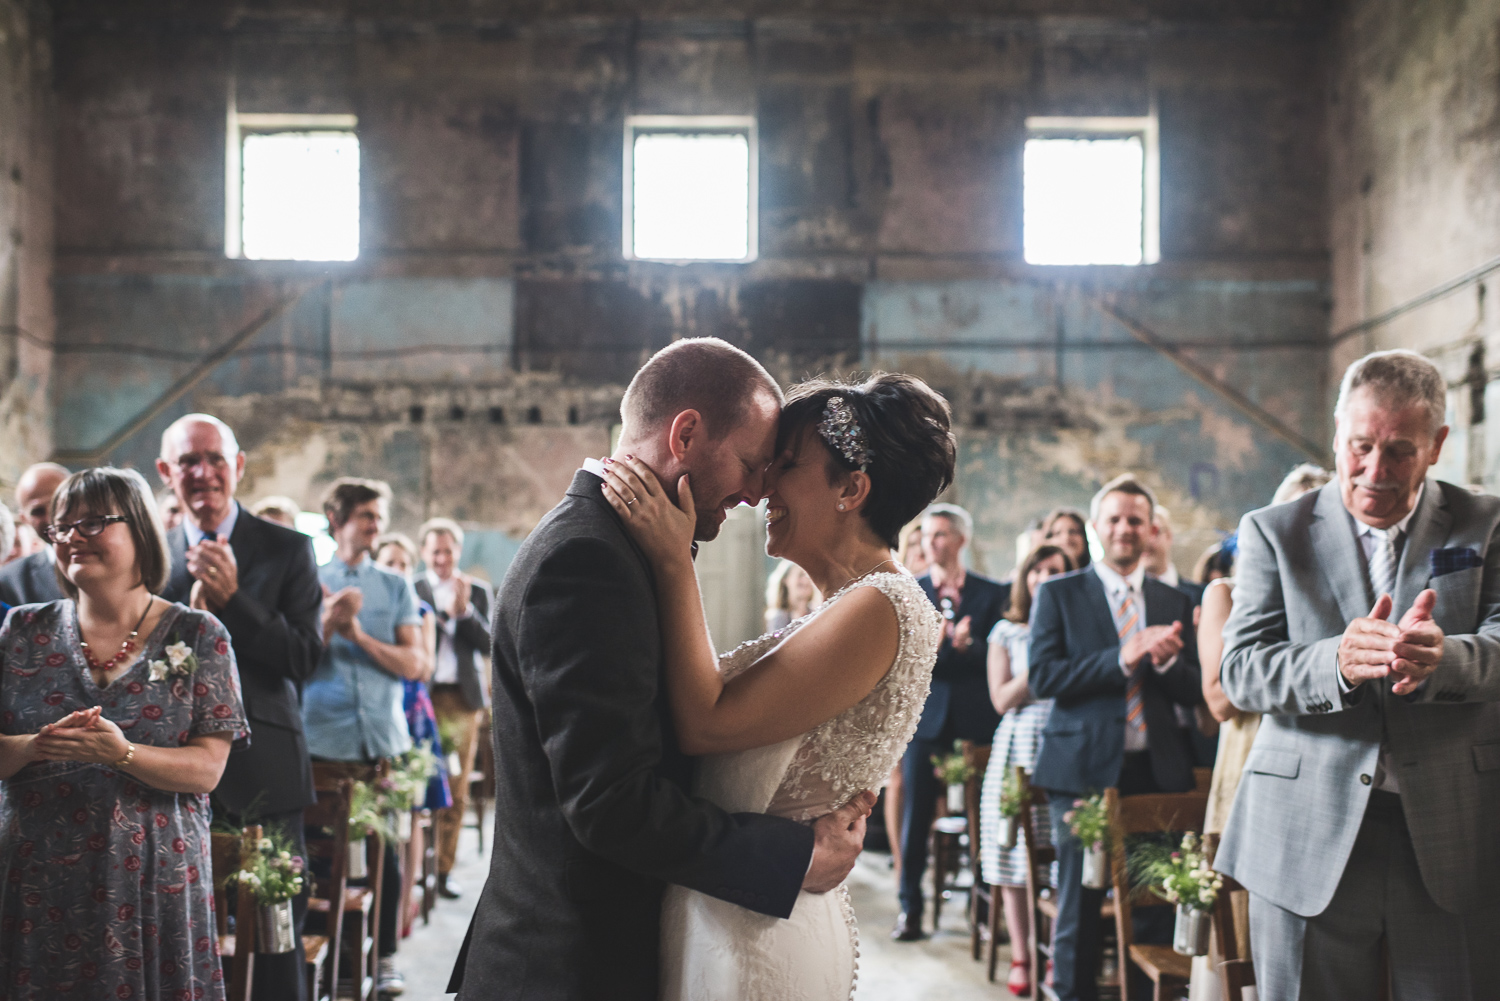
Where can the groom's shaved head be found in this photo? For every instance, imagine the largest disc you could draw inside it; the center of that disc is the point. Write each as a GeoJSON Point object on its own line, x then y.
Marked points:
{"type": "Point", "coordinates": [704, 374]}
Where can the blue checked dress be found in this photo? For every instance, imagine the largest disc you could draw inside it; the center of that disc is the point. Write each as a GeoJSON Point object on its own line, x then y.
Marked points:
{"type": "Point", "coordinates": [1017, 740]}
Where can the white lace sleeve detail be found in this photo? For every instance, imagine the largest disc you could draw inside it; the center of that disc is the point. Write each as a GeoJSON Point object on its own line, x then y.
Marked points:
{"type": "Point", "coordinates": [856, 749]}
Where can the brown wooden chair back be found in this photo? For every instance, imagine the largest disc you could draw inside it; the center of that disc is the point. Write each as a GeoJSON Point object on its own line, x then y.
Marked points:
{"type": "Point", "coordinates": [1149, 814]}
{"type": "Point", "coordinates": [327, 826]}
{"type": "Point", "coordinates": [1231, 922]}
{"type": "Point", "coordinates": [1040, 893]}
{"type": "Point", "coordinates": [239, 948]}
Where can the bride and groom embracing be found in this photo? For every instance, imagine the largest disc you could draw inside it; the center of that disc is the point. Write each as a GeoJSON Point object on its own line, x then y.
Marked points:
{"type": "Point", "coordinates": [674, 824]}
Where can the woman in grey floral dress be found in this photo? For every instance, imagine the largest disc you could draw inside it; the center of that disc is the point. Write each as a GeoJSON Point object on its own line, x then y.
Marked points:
{"type": "Point", "coordinates": [117, 710]}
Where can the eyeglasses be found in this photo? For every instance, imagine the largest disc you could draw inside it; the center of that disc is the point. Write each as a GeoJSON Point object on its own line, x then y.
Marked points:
{"type": "Point", "coordinates": [89, 528]}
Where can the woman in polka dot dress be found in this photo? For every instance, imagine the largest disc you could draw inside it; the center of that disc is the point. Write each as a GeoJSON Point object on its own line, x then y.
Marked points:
{"type": "Point", "coordinates": [108, 750]}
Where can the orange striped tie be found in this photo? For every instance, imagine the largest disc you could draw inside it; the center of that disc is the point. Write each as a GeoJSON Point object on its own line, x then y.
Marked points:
{"type": "Point", "coordinates": [1135, 705]}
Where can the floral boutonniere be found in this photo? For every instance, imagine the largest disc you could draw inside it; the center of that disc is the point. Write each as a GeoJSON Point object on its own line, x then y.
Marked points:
{"type": "Point", "coordinates": [180, 662]}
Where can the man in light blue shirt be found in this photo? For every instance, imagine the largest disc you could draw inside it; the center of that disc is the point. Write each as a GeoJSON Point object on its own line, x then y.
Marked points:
{"type": "Point", "coordinates": [352, 708]}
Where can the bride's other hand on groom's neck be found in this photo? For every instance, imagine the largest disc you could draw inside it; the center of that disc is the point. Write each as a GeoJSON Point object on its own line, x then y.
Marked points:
{"type": "Point", "coordinates": [726, 465]}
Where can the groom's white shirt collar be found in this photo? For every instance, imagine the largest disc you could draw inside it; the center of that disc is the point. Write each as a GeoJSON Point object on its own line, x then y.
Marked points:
{"type": "Point", "coordinates": [595, 466]}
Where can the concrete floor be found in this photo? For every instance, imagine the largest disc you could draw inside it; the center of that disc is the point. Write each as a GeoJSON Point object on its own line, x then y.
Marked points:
{"type": "Point", "coordinates": [936, 969]}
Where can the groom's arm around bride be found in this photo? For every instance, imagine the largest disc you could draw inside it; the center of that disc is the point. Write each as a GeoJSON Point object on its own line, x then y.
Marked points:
{"type": "Point", "coordinates": [592, 813]}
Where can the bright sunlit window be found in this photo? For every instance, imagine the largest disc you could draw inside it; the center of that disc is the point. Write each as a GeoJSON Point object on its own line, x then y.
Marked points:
{"type": "Point", "coordinates": [294, 185]}
{"type": "Point", "coordinates": [1091, 191]}
{"type": "Point", "coordinates": [690, 188]}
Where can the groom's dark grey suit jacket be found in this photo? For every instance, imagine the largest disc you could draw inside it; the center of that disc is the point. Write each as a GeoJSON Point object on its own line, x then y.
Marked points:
{"type": "Point", "coordinates": [592, 812]}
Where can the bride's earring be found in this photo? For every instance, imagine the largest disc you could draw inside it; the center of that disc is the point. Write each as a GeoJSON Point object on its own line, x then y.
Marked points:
{"type": "Point", "coordinates": [841, 507]}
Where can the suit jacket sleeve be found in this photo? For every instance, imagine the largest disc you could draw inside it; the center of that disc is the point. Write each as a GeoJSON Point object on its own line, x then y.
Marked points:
{"type": "Point", "coordinates": [282, 639]}
{"type": "Point", "coordinates": [1262, 670]}
{"type": "Point", "coordinates": [474, 628]}
{"type": "Point", "coordinates": [594, 691]}
{"type": "Point", "coordinates": [1058, 673]}
{"type": "Point", "coordinates": [1470, 667]}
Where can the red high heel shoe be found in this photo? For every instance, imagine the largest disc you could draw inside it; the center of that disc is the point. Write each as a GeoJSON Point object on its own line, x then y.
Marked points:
{"type": "Point", "coordinates": [1019, 980]}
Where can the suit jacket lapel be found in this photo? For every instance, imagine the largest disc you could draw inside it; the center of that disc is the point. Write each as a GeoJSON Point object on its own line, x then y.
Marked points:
{"type": "Point", "coordinates": [1155, 614]}
{"type": "Point", "coordinates": [242, 539]}
{"type": "Point", "coordinates": [1101, 613]}
{"type": "Point", "coordinates": [181, 582]}
{"type": "Point", "coordinates": [1429, 530]}
{"type": "Point", "coordinates": [1331, 536]}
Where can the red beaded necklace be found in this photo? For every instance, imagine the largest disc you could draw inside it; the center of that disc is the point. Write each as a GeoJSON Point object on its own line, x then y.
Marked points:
{"type": "Point", "coordinates": [126, 648]}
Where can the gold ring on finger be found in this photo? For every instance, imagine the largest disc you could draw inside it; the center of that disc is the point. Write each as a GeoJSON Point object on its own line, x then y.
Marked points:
{"type": "Point", "coordinates": [213, 571]}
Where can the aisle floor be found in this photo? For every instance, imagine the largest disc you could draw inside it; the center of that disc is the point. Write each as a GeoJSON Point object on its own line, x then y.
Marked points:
{"type": "Point", "coordinates": [936, 968]}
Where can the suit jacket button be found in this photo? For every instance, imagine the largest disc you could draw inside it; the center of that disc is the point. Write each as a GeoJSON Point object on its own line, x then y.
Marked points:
{"type": "Point", "coordinates": [1365, 779]}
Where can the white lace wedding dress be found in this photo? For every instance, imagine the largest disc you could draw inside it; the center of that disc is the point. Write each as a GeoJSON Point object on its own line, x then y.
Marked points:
{"type": "Point", "coordinates": [716, 951]}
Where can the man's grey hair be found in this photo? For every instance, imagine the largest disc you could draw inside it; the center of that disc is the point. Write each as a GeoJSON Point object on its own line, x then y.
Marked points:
{"type": "Point", "coordinates": [1397, 378]}
{"type": "Point", "coordinates": [956, 516]}
{"type": "Point", "coordinates": [226, 433]}
{"type": "Point", "coordinates": [7, 532]}
{"type": "Point", "coordinates": [1125, 483]}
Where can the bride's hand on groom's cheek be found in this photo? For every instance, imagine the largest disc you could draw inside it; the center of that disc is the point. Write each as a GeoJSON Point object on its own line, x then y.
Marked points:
{"type": "Point", "coordinates": [663, 529]}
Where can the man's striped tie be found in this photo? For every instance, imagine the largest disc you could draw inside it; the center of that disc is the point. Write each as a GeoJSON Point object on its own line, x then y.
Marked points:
{"type": "Point", "coordinates": [1135, 706]}
{"type": "Point", "coordinates": [1383, 562]}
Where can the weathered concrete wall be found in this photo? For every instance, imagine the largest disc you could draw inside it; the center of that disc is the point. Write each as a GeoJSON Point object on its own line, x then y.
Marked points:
{"type": "Point", "coordinates": [490, 280]}
{"type": "Point", "coordinates": [26, 316]}
{"type": "Point", "coordinates": [1414, 118]}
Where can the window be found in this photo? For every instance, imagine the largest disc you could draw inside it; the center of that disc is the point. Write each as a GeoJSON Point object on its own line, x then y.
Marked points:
{"type": "Point", "coordinates": [293, 187]}
{"type": "Point", "coordinates": [1092, 191]}
{"type": "Point", "coordinates": [690, 188]}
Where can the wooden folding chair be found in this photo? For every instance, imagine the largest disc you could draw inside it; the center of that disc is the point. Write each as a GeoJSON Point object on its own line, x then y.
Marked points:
{"type": "Point", "coordinates": [239, 948]}
{"type": "Point", "coordinates": [1231, 940]}
{"type": "Point", "coordinates": [951, 831]}
{"type": "Point", "coordinates": [981, 900]}
{"type": "Point", "coordinates": [360, 931]}
{"type": "Point", "coordinates": [1041, 894]}
{"type": "Point", "coordinates": [482, 779]}
{"type": "Point", "coordinates": [1149, 814]}
{"type": "Point", "coordinates": [327, 823]}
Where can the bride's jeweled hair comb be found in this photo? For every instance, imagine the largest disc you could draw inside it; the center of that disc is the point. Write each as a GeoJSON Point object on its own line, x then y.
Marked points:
{"type": "Point", "coordinates": [840, 429]}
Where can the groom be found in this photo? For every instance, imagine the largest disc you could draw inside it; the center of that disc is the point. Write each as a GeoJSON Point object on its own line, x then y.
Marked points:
{"type": "Point", "coordinates": [593, 815]}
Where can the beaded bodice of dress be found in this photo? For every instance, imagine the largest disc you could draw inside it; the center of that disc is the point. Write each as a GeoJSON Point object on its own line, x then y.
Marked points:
{"type": "Point", "coordinates": [808, 776]}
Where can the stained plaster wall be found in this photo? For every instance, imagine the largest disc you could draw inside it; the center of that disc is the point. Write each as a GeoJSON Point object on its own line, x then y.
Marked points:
{"type": "Point", "coordinates": [26, 317]}
{"type": "Point", "coordinates": [491, 294]}
{"type": "Point", "coordinates": [1414, 117]}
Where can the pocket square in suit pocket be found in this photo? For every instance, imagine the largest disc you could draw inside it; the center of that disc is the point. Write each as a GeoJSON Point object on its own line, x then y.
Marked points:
{"type": "Point", "coordinates": [1446, 561]}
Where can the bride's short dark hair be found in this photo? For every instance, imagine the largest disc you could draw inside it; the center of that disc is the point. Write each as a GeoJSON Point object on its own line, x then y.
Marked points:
{"type": "Point", "coordinates": [907, 430]}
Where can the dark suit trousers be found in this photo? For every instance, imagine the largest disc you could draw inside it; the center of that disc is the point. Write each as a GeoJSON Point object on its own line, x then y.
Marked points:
{"type": "Point", "coordinates": [921, 789]}
{"type": "Point", "coordinates": [281, 977]}
{"type": "Point", "coordinates": [1077, 938]}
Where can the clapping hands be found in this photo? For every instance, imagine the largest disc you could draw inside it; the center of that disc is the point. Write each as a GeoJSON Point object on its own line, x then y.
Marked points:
{"type": "Point", "coordinates": [85, 735]}
{"type": "Point", "coordinates": [1160, 643]}
{"type": "Point", "coordinates": [341, 611]}
{"type": "Point", "coordinates": [1407, 651]}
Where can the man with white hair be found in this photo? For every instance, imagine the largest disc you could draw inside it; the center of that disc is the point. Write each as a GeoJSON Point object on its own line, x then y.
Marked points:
{"type": "Point", "coordinates": [1366, 627]}
{"type": "Point", "coordinates": [262, 583]}
{"type": "Point", "coordinates": [34, 578]}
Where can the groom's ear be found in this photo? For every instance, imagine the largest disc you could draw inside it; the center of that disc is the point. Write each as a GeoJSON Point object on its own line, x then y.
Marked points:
{"type": "Point", "coordinates": [685, 431]}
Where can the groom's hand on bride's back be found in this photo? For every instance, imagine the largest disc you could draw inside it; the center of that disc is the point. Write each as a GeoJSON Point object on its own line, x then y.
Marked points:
{"type": "Point", "coordinates": [838, 839]}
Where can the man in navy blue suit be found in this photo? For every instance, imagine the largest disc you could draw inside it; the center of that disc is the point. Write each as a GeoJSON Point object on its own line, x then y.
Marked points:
{"type": "Point", "coordinates": [1114, 649]}
{"type": "Point", "coordinates": [958, 707]}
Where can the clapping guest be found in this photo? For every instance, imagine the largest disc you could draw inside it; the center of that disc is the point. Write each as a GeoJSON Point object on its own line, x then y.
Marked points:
{"type": "Point", "coordinates": [1366, 629]}
{"type": "Point", "coordinates": [260, 581]}
{"type": "Point", "coordinates": [396, 552]}
{"type": "Point", "coordinates": [790, 594]}
{"type": "Point", "coordinates": [33, 578]}
{"type": "Point", "coordinates": [1114, 649]}
{"type": "Point", "coordinates": [460, 685]}
{"type": "Point", "coordinates": [354, 705]}
{"type": "Point", "coordinates": [958, 706]}
{"type": "Point", "coordinates": [117, 710]}
{"type": "Point", "coordinates": [1237, 729]}
{"type": "Point", "coordinates": [1017, 739]}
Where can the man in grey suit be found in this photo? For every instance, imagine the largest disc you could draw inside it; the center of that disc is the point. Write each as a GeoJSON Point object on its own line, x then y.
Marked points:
{"type": "Point", "coordinates": [1366, 627]}
{"type": "Point", "coordinates": [34, 578]}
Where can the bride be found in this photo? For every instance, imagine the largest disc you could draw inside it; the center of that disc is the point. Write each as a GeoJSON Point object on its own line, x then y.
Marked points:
{"type": "Point", "coordinates": [803, 719]}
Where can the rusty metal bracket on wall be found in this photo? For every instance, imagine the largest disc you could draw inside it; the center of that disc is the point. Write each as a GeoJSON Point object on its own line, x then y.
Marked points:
{"type": "Point", "coordinates": [178, 389]}
{"type": "Point", "coordinates": [1207, 379]}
